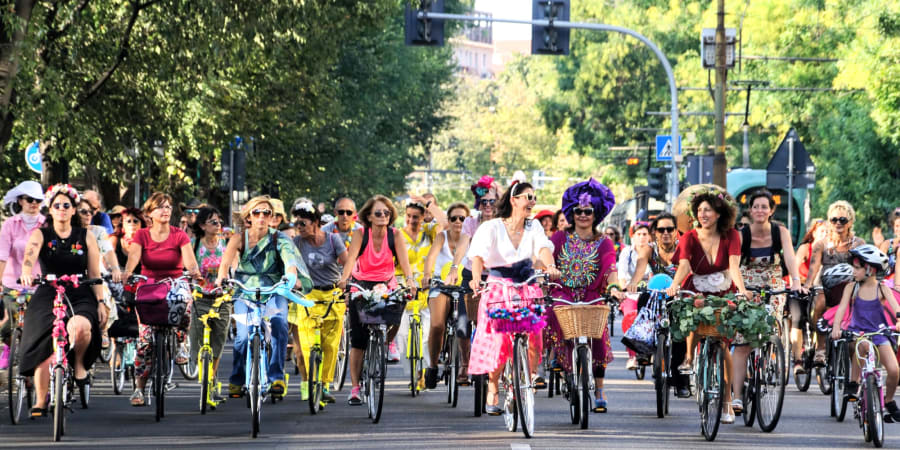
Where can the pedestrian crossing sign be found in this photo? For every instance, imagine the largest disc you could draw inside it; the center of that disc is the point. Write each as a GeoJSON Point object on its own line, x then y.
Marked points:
{"type": "Point", "coordinates": [665, 150]}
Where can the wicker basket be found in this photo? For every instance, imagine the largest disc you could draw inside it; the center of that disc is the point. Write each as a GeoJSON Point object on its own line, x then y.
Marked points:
{"type": "Point", "coordinates": [582, 320]}
{"type": "Point", "coordinates": [710, 330]}
{"type": "Point", "coordinates": [472, 307]}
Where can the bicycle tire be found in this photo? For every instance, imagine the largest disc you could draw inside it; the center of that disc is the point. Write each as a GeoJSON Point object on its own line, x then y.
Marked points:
{"type": "Point", "coordinates": [640, 372]}
{"type": "Point", "coordinates": [572, 394]}
{"type": "Point", "coordinates": [313, 380]}
{"type": "Point", "coordinates": [714, 392]}
{"type": "Point", "coordinates": [117, 369]}
{"type": "Point", "coordinates": [160, 371]}
{"type": "Point", "coordinates": [479, 393]}
{"type": "Point", "coordinates": [749, 395]}
{"type": "Point", "coordinates": [414, 355]}
{"type": "Point", "coordinates": [189, 369]}
{"type": "Point", "coordinates": [584, 385]}
{"type": "Point", "coordinates": [803, 381]}
{"type": "Point", "coordinates": [380, 362]}
{"type": "Point", "coordinates": [510, 410]}
{"type": "Point", "coordinates": [822, 373]}
{"type": "Point", "coordinates": [59, 407]}
{"type": "Point", "coordinates": [770, 385]}
{"type": "Point", "coordinates": [785, 337]}
{"type": "Point", "coordinates": [453, 386]}
{"type": "Point", "coordinates": [524, 394]}
{"type": "Point", "coordinates": [255, 394]}
{"type": "Point", "coordinates": [205, 374]}
{"type": "Point", "coordinates": [341, 365]}
{"type": "Point", "coordinates": [661, 374]}
{"type": "Point", "coordinates": [874, 413]}
{"type": "Point", "coordinates": [841, 378]}
{"type": "Point", "coordinates": [14, 388]}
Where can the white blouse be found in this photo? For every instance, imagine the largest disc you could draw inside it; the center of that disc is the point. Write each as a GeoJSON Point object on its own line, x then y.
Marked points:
{"type": "Point", "coordinates": [492, 243]}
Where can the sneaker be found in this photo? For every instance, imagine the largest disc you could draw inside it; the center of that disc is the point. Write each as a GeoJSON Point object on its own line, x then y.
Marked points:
{"type": "Point", "coordinates": [327, 397]}
{"type": "Point", "coordinates": [304, 391]}
{"type": "Point", "coordinates": [891, 413]}
{"type": "Point", "coordinates": [235, 391]}
{"type": "Point", "coordinates": [431, 376]}
{"type": "Point", "coordinates": [631, 364]}
{"type": "Point", "coordinates": [682, 392]}
{"type": "Point", "coordinates": [737, 405]}
{"type": "Point", "coordinates": [277, 388]}
{"type": "Point", "coordinates": [354, 399]}
{"type": "Point", "coordinates": [493, 410]}
{"type": "Point", "coordinates": [182, 357]}
{"type": "Point", "coordinates": [393, 354]}
{"type": "Point", "coordinates": [727, 417]}
{"type": "Point", "coordinates": [4, 358]}
{"type": "Point", "coordinates": [137, 398]}
{"type": "Point", "coordinates": [852, 391]}
{"type": "Point", "coordinates": [686, 368]}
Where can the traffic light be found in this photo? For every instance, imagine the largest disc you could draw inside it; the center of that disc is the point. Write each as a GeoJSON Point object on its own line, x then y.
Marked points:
{"type": "Point", "coordinates": [656, 181]}
{"type": "Point", "coordinates": [632, 161]}
{"type": "Point", "coordinates": [424, 31]}
{"type": "Point", "coordinates": [550, 40]}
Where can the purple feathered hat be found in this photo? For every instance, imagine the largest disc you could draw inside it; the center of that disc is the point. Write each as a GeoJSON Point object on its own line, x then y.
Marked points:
{"type": "Point", "coordinates": [588, 193]}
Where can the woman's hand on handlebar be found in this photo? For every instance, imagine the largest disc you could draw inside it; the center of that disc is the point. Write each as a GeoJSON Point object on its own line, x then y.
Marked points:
{"type": "Point", "coordinates": [836, 332]}
{"type": "Point", "coordinates": [672, 290]}
{"type": "Point", "coordinates": [451, 277]}
{"type": "Point", "coordinates": [116, 275]}
{"type": "Point", "coordinates": [631, 288]}
{"type": "Point", "coordinates": [475, 285]}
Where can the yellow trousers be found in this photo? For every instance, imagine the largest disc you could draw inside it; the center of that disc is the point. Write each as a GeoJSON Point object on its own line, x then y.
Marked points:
{"type": "Point", "coordinates": [330, 331]}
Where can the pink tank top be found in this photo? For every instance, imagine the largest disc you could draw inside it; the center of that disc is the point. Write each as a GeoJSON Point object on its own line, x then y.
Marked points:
{"type": "Point", "coordinates": [372, 266]}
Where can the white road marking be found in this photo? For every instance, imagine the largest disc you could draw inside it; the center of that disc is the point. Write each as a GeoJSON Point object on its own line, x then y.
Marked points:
{"type": "Point", "coordinates": [519, 447]}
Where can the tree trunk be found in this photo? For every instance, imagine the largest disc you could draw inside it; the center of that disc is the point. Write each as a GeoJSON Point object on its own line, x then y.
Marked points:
{"type": "Point", "coordinates": [9, 65]}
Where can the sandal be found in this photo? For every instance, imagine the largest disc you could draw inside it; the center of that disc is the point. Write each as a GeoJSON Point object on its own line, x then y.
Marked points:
{"type": "Point", "coordinates": [798, 368]}
{"type": "Point", "coordinates": [463, 380]}
{"type": "Point", "coordinates": [599, 403]}
{"type": "Point", "coordinates": [538, 382]}
{"type": "Point", "coordinates": [686, 368]}
{"type": "Point", "coordinates": [493, 410]}
{"type": "Point", "coordinates": [137, 398]}
{"type": "Point", "coordinates": [38, 412]}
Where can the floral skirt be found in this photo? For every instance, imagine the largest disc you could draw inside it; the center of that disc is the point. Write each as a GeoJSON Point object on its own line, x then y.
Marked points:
{"type": "Point", "coordinates": [491, 349]}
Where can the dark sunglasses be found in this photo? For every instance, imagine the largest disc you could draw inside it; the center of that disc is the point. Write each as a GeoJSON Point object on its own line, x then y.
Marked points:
{"type": "Point", "coordinates": [263, 212]}
{"type": "Point", "coordinates": [456, 218]}
{"type": "Point", "coordinates": [191, 211]}
{"type": "Point", "coordinates": [344, 212]}
{"type": "Point", "coordinates": [381, 213]}
{"type": "Point", "coordinates": [215, 222]}
{"type": "Point", "coordinates": [30, 200]}
{"type": "Point", "coordinates": [840, 220]}
{"type": "Point", "coordinates": [85, 212]}
{"type": "Point", "coordinates": [303, 223]}
{"type": "Point", "coordinates": [665, 229]}
{"type": "Point", "coordinates": [488, 201]}
{"type": "Point", "coordinates": [62, 206]}
{"type": "Point", "coordinates": [583, 211]}
{"type": "Point", "coordinates": [134, 221]}
{"type": "Point", "coordinates": [529, 197]}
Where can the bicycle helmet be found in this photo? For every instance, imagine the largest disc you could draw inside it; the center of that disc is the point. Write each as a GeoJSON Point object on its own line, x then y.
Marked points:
{"type": "Point", "coordinates": [872, 256]}
{"type": "Point", "coordinates": [841, 273]}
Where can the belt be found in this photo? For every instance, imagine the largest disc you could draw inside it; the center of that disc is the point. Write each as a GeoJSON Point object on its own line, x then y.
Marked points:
{"type": "Point", "coordinates": [327, 287]}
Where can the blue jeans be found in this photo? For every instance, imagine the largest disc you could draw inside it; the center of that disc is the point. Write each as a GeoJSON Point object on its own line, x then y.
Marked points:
{"type": "Point", "coordinates": [276, 309]}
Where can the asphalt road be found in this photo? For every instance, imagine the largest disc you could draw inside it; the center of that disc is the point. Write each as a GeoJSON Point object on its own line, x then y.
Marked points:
{"type": "Point", "coordinates": [428, 422]}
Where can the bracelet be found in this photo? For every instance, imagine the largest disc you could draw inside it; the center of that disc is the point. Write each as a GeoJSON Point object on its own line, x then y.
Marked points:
{"type": "Point", "coordinates": [613, 286]}
{"type": "Point", "coordinates": [453, 266]}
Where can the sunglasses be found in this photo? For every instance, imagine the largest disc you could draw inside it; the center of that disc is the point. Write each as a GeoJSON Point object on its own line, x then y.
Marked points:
{"type": "Point", "coordinates": [665, 229]}
{"type": "Point", "coordinates": [488, 201]}
{"type": "Point", "coordinates": [132, 221]}
{"type": "Point", "coordinates": [529, 197]}
{"type": "Point", "coordinates": [215, 222]}
{"type": "Point", "coordinates": [840, 220]}
{"type": "Point", "coordinates": [381, 213]}
{"type": "Point", "coordinates": [612, 235]}
{"type": "Point", "coordinates": [583, 211]}
{"type": "Point", "coordinates": [30, 200]}
{"type": "Point", "coordinates": [344, 212]}
{"type": "Point", "coordinates": [303, 223]}
{"type": "Point", "coordinates": [456, 218]}
{"type": "Point", "coordinates": [191, 211]}
{"type": "Point", "coordinates": [85, 212]}
{"type": "Point", "coordinates": [62, 206]}
{"type": "Point", "coordinates": [263, 212]}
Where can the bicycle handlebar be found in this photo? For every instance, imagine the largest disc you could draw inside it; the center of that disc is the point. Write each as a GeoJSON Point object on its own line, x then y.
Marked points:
{"type": "Point", "coordinates": [449, 288]}
{"type": "Point", "coordinates": [576, 303]}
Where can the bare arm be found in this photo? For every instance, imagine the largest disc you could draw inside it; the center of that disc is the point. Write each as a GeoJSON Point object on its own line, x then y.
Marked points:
{"type": "Point", "coordinates": [352, 256]}
{"type": "Point", "coordinates": [189, 260]}
{"type": "Point", "coordinates": [790, 260]}
{"type": "Point", "coordinates": [477, 268]}
{"type": "Point", "coordinates": [734, 268]}
{"type": "Point", "coordinates": [32, 248]}
{"type": "Point", "coordinates": [684, 269]}
{"type": "Point", "coordinates": [815, 264]}
{"type": "Point", "coordinates": [842, 309]}
{"type": "Point", "coordinates": [639, 268]}
{"type": "Point", "coordinates": [93, 269]}
{"type": "Point", "coordinates": [431, 259]}
{"type": "Point", "coordinates": [229, 257]}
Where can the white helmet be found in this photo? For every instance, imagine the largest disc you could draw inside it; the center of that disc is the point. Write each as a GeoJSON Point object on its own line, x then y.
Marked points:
{"type": "Point", "coordinates": [872, 256]}
{"type": "Point", "coordinates": [836, 275]}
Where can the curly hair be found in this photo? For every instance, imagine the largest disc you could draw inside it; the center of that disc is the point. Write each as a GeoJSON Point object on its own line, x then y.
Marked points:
{"type": "Point", "coordinates": [721, 205]}
{"type": "Point", "coordinates": [370, 205]}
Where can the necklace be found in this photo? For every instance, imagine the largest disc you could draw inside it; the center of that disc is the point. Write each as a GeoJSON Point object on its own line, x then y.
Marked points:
{"type": "Point", "coordinates": [511, 228]}
{"type": "Point", "coordinates": [708, 251]}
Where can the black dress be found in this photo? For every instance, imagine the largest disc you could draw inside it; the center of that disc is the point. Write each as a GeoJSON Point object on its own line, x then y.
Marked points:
{"type": "Point", "coordinates": [59, 257]}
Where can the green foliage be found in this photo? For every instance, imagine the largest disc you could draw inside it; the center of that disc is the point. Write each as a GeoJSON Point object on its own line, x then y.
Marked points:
{"type": "Point", "coordinates": [749, 319]}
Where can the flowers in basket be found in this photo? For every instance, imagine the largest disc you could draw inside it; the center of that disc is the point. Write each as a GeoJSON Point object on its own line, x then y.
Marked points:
{"type": "Point", "coordinates": [524, 319]}
{"type": "Point", "coordinates": [749, 319]}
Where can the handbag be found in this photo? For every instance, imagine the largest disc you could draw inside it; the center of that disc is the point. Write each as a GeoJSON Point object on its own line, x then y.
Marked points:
{"type": "Point", "coordinates": [641, 337]}
{"type": "Point", "coordinates": [162, 303]}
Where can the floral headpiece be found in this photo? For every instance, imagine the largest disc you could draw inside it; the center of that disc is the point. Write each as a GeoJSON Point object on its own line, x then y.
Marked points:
{"type": "Point", "coordinates": [482, 187]}
{"type": "Point", "coordinates": [413, 204]}
{"type": "Point", "coordinates": [305, 206]}
{"type": "Point", "coordinates": [65, 189]}
{"type": "Point", "coordinates": [713, 191]}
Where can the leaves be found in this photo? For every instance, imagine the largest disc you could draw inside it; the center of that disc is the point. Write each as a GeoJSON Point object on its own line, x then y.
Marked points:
{"type": "Point", "coordinates": [750, 319]}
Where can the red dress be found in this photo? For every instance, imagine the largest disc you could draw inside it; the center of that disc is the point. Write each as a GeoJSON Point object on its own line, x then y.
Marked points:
{"type": "Point", "coordinates": [705, 276]}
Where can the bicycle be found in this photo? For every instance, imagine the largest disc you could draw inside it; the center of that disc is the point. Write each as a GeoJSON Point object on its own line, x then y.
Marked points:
{"type": "Point", "coordinates": [19, 389]}
{"type": "Point", "coordinates": [343, 361]}
{"type": "Point", "coordinates": [206, 369]}
{"type": "Point", "coordinates": [808, 346]}
{"type": "Point", "coordinates": [378, 309]}
{"type": "Point", "coordinates": [315, 386]}
{"type": "Point", "coordinates": [838, 370]}
{"type": "Point", "coordinates": [62, 371]}
{"type": "Point", "coordinates": [122, 339]}
{"type": "Point", "coordinates": [869, 408]}
{"type": "Point", "coordinates": [256, 382]}
{"type": "Point", "coordinates": [414, 345]}
{"type": "Point", "coordinates": [518, 403]}
{"type": "Point", "coordinates": [662, 358]}
{"type": "Point", "coordinates": [764, 387]}
{"type": "Point", "coordinates": [709, 375]}
{"type": "Point", "coordinates": [450, 354]}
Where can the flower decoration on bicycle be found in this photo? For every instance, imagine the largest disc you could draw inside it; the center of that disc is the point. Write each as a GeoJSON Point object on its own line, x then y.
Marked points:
{"type": "Point", "coordinates": [524, 319]}
{"type": "Point", "coordinates": [380, 306]}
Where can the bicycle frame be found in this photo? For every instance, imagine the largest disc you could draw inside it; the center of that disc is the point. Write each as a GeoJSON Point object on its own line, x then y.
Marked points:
{"type": "Point", "coordinates": [208, 373]}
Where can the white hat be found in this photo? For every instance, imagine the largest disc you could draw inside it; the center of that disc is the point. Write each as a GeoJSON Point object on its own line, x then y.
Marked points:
{"type": "Point", "coordinates": [30, 188]}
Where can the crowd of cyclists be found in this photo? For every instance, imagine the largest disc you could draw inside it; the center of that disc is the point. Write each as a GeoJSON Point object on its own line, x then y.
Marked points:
{"type": "Point", "coordinates": [496, 243]}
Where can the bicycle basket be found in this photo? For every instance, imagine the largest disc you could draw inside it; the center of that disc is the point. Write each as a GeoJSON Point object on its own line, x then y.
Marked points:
{"type": "Point", "coordinates": [582, 320]}
{"type": "Point", "coordinates": [379, 310]}
{"type": "Point", "coordinates": [522, 316]}
{"type": "Point", "coordinates": [162, 304]}
{"type": "Point", "coordinates": [706, 330]}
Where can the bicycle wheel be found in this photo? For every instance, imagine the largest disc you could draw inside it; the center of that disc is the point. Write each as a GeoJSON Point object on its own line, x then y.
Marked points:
{"type": "Point", "coordinates": [341, 365]}
{"type": "Point", "coordinates": [640, 372]}
{"type": "Point", "coordinates": [784, 333]}
{"type": "Point", "coordinates": [160, 372]}
{"type": "Point", "coordinates": [841, 378]}
{"type": "Point", "coordinates": [453, 373]}
{"type": "Point", "coordinates": [117, 368]}
{"type": "Point", "coordinates": [750, 387]}
{"type": "Point", "coordinates": [822, 373]}
{"type": "Point", "coordinates": [15, 384]}
{"type": "Point", "coordinates": [480, 392]}
{"type": "Point", "coordinates": [584, 385]}
{"type": "Point", "coordinates": [205, 374]}
{"type": "Point", "coordinates": [255, 394]}
{"type": "Point", "coordinates": [510, 411]}
{"type": "Point", "coordinates": [572, 393]}
{"type": "Point", "coordinates": [874, 422]}
{"type": "Point", "coordinates": [714, 392]}
{"type": "Point", "coordinates": [415, 357]}
{"type": "Point", "coordinates": [661, 374]}
{"type": "Point", "coordinates": [59, 407]}
{"type": "Point", "coordinates": [770, 385]}
{"type": "Point", "coordinates": [189, 369]}
{"type": "Point", "coordinates": [314, 380]}
{"type": "Point", "coordinates": [524, 393]}
{"type": "Point", "coordinates": [379, 365]}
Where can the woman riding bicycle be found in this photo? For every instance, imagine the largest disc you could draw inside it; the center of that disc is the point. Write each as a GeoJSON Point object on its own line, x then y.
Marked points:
{"type": "Point", "coordinates": [627, 266]}
{"type": "Point", "coordinates": [209, 249]}
{"type": "Point", "coordinates": [24, 201]}
{"type": "Point", "coordinates": [439, 262]}
{"type": "Point", "coordinates": [371, 265]}
{"type": "Point", "coordinates": [709, 259]}
{"type": "Point", "coordinates": [827, 254]}
{"type": "Point", "coordinates": [63, 247]}
{"type": "Point", "coordinates": [817, 232]}
{"type": "Point", "coordinates": [870, 301]}
{"type": "Point", "coordinates": [586, 261]}
{"type": "Point", "coordinates": [163, 251]}
{"type": "Point", "coordinates": [325, 257]}
{"type": "Point", "coordinates": [264, 256]}
{"type": "Point", "coordinates": [505, 247]}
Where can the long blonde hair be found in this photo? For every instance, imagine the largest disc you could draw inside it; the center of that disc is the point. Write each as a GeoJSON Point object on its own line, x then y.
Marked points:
{"type": "Point", "coordinates": [845, 207]}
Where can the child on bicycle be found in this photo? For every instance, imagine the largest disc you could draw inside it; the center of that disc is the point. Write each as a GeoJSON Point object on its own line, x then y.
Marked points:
{"type": "Point", "coordinates": [866, 299]}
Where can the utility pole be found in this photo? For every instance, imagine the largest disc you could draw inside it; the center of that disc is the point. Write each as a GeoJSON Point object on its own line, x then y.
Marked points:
{"type": "Point", "coordinates": [720, 164]}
